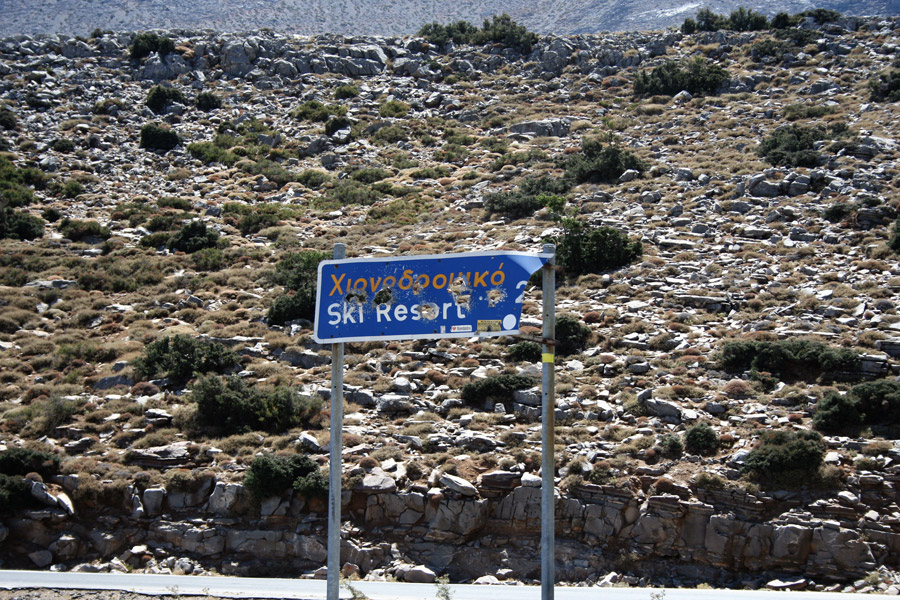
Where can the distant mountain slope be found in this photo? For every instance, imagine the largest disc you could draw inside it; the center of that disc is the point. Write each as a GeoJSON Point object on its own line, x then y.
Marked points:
{"type": "Point", "coordinates": [380, 17]}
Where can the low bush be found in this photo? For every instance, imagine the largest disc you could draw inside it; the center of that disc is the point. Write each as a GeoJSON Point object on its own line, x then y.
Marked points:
{"type": "Point", "coordinates": [315, 111]}
{"type": "Point", "coordinates": [229, 406]}
{"type": "Point", "coordinates": [370, 175]}
{"type": "Point", "coordinates": [208, 259]}
{"type": "Point", "coordinates": [698, 76]}
{"type": "Point", "coordinates": [157, 137]}
{"type": "Point", "coordinates": [63, 145]}
{"type": "Point", "coordinates": [17, 225]}
{"type": "Point", "coordinates": [390, 134]}
{"type": "Point", "coordinates": [894, 243]}
{"type": "Point", "coordinates": [298, 273]}
{"type": "Point", "coordinates": [584, 248]}
{"type": "Point", "coordinates": [837, 212]}
{"type": "Point", "coordinates": [179, 357]}
{"type": "Point", "coordinates": [597, 163]}
{"type": "Point", "coordinates": [15, 495]}
{"type": "Point", "coordinates": [524, 352]}
{"type": "Point", "coordinates": [335, 124]}
{"type": "Point", "coordinates": [873, 403]}
{"type": "Point", "coordinates": [670, 446]}
{"type": "Point", "coordinates": [785, 459]}
{"type": "Point", "coordinates": [348, 192]}
{"type": "Point", "coordinates": [255, 221]}
{"type": "Point", "coordinates": [701, 439]}
{"type": "Point", "coordinates": [145, 43]}
{"type": "Point", "coordinates": [209, 152]}
{"type": "Point", "coordinates": [789, 359]}
{"type": "Point", "coordinates": [207, 101]}
{"type": "Point", "coordinates": [515, 205]}
{"type": "Point", "coordinates": [571, 335]}
{"type": "Point", "coordinates": [174, 202]}
{"type": "Point", "coordinates": [740, 19]}
{"type": "Point", "coordinates": [793, 146]}
{"type": "Point", "coordinates": [8, 119]}
{"type": "Point", "coordinates": [393, 109]}
{"type": "Point", "coordinates": [271, 475]}
{"type": "Point", "coordinates": [193, 237]}
{"type": "Point", "coordinates": [313, 179]}
{"type": "Point", "coordinates": [491, 390]}
{"type": "Point", "coordinates": [344, 92]}
{"type": "Point", "coordinates": [500, 29]}
{"type": "Point", "coordinates": [161, 96]}
{"type": "Point", "coordinates": [885, 87]}
{"type": "Point", "coordinates": [80, 230]}
{"type": "Point", "coordinates": [22, 461]}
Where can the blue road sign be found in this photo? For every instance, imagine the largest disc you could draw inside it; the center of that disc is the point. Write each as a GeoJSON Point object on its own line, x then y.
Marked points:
{"type": "Point", "coordinates": [421, 297]}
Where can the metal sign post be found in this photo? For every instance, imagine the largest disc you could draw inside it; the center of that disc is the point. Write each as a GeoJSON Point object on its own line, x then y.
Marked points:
{"type": "Point", "coordinates": [464, 295]}
{"type": "Point", "coordinates": [548, 408]}
{"type": "Point", "coordinates": [334, 463]}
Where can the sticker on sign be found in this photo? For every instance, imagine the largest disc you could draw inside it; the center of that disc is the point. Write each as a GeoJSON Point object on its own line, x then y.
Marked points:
{"type": "Point", "coordinates": [421, 297]}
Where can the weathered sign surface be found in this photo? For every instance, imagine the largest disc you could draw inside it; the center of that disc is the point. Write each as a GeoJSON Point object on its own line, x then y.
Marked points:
{"type": "Point", "coordinates": [417, 297]}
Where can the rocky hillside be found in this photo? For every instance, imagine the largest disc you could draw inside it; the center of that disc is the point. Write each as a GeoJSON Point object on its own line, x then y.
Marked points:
{"type": "Point", "coordinates": [380, 17]}
{"type": "Point", "coordinates": [724, 207]}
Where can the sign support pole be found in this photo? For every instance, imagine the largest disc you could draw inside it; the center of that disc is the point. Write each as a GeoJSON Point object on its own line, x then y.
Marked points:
{"type": "Point", "coordinates": [334, 463]}
{"type": "Point", "coordinates": [548, 408]}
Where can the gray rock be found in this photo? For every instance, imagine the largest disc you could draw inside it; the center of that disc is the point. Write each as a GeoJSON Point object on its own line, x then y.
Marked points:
{"type": "Point", "coordinates": [41, 558]}
{"type": "Point", "coordinates": [544, 128]}
{"type": "Point", "coordinates": [458, 485]}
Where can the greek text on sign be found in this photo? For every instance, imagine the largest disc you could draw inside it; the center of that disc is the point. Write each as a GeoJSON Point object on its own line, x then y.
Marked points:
{"type": "Point", "coordinates": [419, 297]}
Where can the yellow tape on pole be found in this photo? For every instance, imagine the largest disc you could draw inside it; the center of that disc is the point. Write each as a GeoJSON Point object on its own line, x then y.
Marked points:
{"type": "Point", "coordinates": [547, 357]}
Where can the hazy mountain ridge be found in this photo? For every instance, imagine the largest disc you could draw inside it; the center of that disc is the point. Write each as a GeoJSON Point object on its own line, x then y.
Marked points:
{"type": "Point", "coordinates": [355, 17]}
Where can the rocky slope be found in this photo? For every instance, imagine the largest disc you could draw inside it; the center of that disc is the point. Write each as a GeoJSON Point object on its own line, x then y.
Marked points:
{"type": "Point", "coordinates": [355, 17]}
{"type": "Point", "coordinates": [734, 249]}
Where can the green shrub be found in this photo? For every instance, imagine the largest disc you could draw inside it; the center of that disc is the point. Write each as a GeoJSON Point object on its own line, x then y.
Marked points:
{"type": "Point", "coordinates": [740, 19]}
{"type": "Point", "coordinates": [22, 461]}
{"type": "Point", "coordinates": [145, 43]}
{"type": "Point", "coordinates": [885, 87]}
{"type": "Point", "coordinates": [837, 212]}
{"type": "Point", "coordinates": [699, 76]}
{"type": "Point", "coordinates": [838, 413]}
{"type": "Point", "coordinates": [793, 112]}
{"type": "Point", "coordinates": [313, 179]}
{"type": "Point", "coordinates": [583, 248]}
{"type": "Point", "coordinates": [160, 96]}
{"type": "Point", "coordinates": [7, 118]}
{"type": "Point", "coordinates": [390, 134]}
{"type": "Point", "coordinates": [315, 111]}
{"type": "Point", "coordinates": [207, 101]}
{"type": "Point", "coordinates": [524, 351]}
{"type": "Point", "coordinates": [179, 357]}
{"type": "Point", "coordinates": [312, 485]}
{"type": "Point", "coordinates": [270, 475]}
{"type": "Point", "coordinates": [63, 145]}
{"type": "Point", "coordinates": [80, 230]}
{"type": "Point", "coordinates": [343, 92]}
{"type": "Point", "coordinates": [73, 189]}
{"type": "Point", "coordinates": [393, 109]}
{"type": "Point", "coordinates": [229, 406]}
{"type": "Point", "coordinates": [822, 15]}
{"type": "Point", "coordinates": [670, 446]}
{"type": "Point", "coordinates": [792, 146]}
{"type": "Point", "coordinates": [193, 237]}
{"type": "Point", "coordinates": [255, 221]}
{"type": "Point", "coordinates": [156, 240]}
{"type": "Point", "coordinates": [894, 243]}
{"type": "Point", "coordinates": [515, 205]}
{"type": "Point", "coordinates": [789, 359]}
{"type": "Point", "coordinates": [460, 32]}
{"type": "Point", "coordinates": [597, 163]}
{"type": "Point", "coordinates": [209, 152]}
{"type": "Point", "coordinates": [501, 29]}
{"type": "Point", "coordinates": [785, 459]}
{"type": "Point", "coordinates": [571, 335]}
{"type": "Point", "coordinates": [370, 175]}
{"type": "Point", "coordinates": [701, 439]}
{"type": "Point", "coordinates": [430, 173]}
{"type": "Point", "coordinates": [15, 495]}
{"type": "Point", "coordinates": [783, 20]}
{"type": "Point", "coordinates": [17, 225]}
{"type": "Point", "coordinates": [156, 137]}
{"type": "Point", "coordinates": [298, 273]}
{"type": "Point", "coordinates": [174, 202]}
{"type": "Point", "coordinates": [498, 388]}
{"type": "Point", "coordinates": [348, 192]}
{"type": "Point", "coordinates": [335, 124]}
{"type": "Point", "coordinates": [208, 259]}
